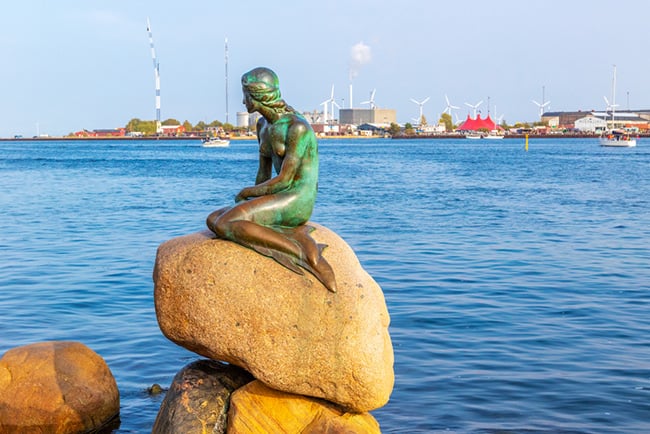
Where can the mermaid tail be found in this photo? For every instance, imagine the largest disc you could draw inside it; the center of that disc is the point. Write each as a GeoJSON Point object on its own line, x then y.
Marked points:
{"type": "Point", "coordinates": [311, 258]}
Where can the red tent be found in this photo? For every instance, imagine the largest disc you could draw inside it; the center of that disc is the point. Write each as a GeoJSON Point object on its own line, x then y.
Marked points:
{"type": "Point", "coordinates": [477, 124]}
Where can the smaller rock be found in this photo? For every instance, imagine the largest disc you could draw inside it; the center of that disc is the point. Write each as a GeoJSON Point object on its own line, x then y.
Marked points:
{"type": "Point", "coordinates": [56, 387]}
{"type": "Point", "coordinates": [198, 398]}
{"type": "Point", "coordinates": [155, 389]}
{"type": "Point", "coordinates": [256, 408]}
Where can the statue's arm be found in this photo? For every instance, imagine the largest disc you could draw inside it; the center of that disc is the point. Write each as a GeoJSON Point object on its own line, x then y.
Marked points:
{"type": "Point", "coordinates": [265, 164]}
{"type": "Point", "coordinates": [295, 147]}
{"type": "Point", "coordinates": [265, 169]}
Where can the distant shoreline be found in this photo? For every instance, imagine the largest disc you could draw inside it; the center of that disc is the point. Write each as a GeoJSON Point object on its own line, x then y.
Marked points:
{"type": "Point", "coordinates": [148, 138]}
{"type": "Point", "coordinates": [198, 139]}
{"type": "Point", "coordinates": [151, 138]}
{"type": "Point", "coordinates": [72, 139]}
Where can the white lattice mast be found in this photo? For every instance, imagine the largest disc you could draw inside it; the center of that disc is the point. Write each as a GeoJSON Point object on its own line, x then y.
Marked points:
{"type": "Point", "coordinates": [226, 60]}
{"type": "Point", "coordinates": [156, 71]}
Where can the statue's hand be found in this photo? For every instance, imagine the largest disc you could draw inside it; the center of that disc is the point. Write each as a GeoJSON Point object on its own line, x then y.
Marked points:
{"type": "Point", "coordinates": [243, 195]}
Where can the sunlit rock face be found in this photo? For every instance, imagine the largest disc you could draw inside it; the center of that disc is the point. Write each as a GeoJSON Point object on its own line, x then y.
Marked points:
{"type": "Point", "coordinates": [229, 303]}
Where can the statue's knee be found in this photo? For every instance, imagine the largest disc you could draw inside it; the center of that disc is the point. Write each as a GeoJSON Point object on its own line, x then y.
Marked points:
{"type": "Point", "coordinates": [210, 223]}
{"type": "Point", "coordinates": [224, 228]}
{"type": "Point", "coordinates": [216, 225]}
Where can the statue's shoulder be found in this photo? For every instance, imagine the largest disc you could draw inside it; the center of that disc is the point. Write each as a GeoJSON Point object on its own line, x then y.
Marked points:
{"type": "Point", "coordinates": [299, 124]}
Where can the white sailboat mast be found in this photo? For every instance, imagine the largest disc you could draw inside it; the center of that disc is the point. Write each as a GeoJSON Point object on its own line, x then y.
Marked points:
{"type": "Point", "coordinates": [614, 97]}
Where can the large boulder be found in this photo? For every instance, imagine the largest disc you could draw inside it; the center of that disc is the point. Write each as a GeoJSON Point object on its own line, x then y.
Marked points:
{"type": "Point", "coordinates": [226, 302]}
{"type": "Point", "coordinates": [56, 387]}
{"type": "Point", "coordinates": [197, 400]}
{"type": "Point", "coordinates": [255, 408]}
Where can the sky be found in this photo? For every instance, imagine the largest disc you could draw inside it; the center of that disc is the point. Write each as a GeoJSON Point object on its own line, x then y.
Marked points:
{"type": "Point", "coordinates": [72, 65]}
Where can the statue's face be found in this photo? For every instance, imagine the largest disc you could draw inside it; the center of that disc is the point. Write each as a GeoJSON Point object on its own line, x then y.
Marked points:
{"type": "Point", "coordinates": [249, 102]}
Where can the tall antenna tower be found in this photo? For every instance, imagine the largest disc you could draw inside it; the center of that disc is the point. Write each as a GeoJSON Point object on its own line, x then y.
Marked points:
{"type": "Point", "coordinates": [226, 59]}
{"type": "Point", "coordinates": [156, 72]}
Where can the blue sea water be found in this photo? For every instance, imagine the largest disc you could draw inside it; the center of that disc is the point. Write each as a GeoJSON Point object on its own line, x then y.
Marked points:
{"type": "Point", "coordinates": [518, 283]}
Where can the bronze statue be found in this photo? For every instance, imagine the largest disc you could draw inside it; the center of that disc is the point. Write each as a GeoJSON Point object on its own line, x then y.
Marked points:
{"type": "Point", "coordinates": [270, 217]}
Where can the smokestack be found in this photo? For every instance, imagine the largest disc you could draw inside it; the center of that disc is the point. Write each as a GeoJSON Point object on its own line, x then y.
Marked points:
{"type": "Point", "coordinates": [351, 94]}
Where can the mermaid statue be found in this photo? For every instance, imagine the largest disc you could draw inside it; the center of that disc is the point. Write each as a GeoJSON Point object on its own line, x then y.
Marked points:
{"type": "Point", "coordinates": [271, 216]}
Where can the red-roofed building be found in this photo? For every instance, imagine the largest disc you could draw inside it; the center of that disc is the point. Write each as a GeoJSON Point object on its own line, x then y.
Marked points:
{"type": "Point", "coordinates": [116, 132]}
{"type": "Point", "coordinates": [478, 124]}
{"type": "Point", "coordinates": [173, 130]}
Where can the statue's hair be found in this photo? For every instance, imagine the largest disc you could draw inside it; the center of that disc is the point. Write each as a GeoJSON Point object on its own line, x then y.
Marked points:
{"type": "Point", "coordinates": [263, 85]}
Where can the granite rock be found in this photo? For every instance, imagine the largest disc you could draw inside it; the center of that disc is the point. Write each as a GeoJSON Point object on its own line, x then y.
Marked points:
{"type": "Point", "coordinates": [198, 398]}
{"type": "Point", "coordinates": [256, 408]}
{"type": "Point", "coordinates": [56, 387]}
{"type": "Point", "coordinates": [229, 303]}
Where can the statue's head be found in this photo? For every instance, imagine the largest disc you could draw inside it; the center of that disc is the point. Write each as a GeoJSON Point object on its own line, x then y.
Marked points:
{"type": "Point", "coordinates": [261, 84]}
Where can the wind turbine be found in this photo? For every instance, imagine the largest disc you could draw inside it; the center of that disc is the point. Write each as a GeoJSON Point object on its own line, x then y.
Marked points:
{"type": "Point", "coordinates": [543, 104]}
{"type": "Point", "coordinates": [449, 107]}
{"type": "Point", "coordinates": [332, 107]}
{"type": "Point", "coordinates": [610, 107]}
{"type": "Point", "coordinates": [328, 101]}
{"type": "Point", "coordinates": [421, 104]}
{"type": "Point", "coordinates": [475, 106]}
{"type": "Point", "coordinates": [371, 101]}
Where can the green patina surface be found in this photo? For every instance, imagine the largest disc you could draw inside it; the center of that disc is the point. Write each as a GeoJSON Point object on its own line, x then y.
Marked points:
{"type": "Point", "coordinates": [270, 216]}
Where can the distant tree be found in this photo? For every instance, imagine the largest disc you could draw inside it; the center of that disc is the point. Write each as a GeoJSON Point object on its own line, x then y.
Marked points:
{"type": "Point", "coordinates": [170, 121]}
{"type": "Point", "coordinates": [394, 129]}
{"type": "Point", "coordinates": [188, 126]}
{"type": "Point", "coordinates": [408, 129]}
{"type": "Point", "coordinates": [215, 124]}
{"type": "Point", "coordinates": [445, 118]}
{"type": "Point", "coordinates": [138, 125]}
{"type": "Point", "coordinates": [423, 121]}
{"type": "Point", "coordinates": [200, 126]}
{"type": "Point", "coordinates": [228, 127]}
{"type": "Point", "coordinates": [132, 125]}
{"type": "Point", "coordinates": [148, 127]}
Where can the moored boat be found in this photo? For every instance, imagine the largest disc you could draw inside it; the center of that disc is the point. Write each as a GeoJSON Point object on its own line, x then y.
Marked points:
{"type": "Point", "coordinates": [617, 138]}
{"type": "Point", "coordinates": [216, 142]}
{"type": "Point", "coordinates": [493, 136]}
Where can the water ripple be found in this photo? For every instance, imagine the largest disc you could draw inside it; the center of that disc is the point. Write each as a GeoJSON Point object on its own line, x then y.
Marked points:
{"type": "Point", "coordinates": [517, 283]}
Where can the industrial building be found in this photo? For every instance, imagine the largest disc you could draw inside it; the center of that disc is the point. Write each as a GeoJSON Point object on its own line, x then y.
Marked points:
{"type": "Point", "coordinates": [596, 121]}
{"type": "Point", "coordinates": [359, 116]}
